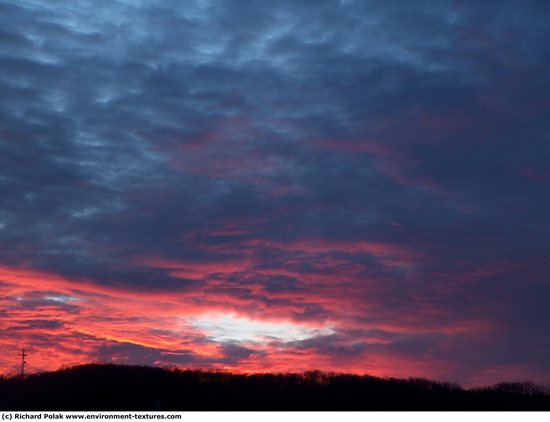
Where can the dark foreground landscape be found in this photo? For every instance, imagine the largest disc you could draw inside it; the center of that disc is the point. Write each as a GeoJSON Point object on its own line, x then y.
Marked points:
{"type": "Point", "coordinates": [111, 387]}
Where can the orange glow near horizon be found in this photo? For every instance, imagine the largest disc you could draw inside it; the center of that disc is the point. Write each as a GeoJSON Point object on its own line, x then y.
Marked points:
{"type": "Point", "coordinates": [62, 323]}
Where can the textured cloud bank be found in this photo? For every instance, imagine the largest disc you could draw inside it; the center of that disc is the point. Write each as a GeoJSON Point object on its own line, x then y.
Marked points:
{"type": "Point", "coordinates": [374, 175]}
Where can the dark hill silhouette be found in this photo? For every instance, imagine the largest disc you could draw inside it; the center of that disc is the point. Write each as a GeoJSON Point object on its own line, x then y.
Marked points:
{"type": "Point", "coordinates": [111, 387]}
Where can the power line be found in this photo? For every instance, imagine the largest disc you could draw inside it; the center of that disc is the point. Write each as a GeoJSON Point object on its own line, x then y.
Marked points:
{"type": "Point", "coordinates": [23, 361]}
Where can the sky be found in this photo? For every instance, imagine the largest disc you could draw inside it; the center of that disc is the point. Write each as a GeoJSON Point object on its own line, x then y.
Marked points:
{"type": "Point", "coordinates": [349, 186]}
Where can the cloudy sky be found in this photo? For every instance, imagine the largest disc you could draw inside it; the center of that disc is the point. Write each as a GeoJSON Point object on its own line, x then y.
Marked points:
{"type": "Point", "coordinates": [352, 186]}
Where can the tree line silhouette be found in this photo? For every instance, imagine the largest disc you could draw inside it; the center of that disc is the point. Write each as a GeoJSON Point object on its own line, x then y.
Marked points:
{"type": "Point", "coordinates": [114, 387]}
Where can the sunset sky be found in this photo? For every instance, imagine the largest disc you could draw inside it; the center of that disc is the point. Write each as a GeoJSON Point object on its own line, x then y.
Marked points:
{"type": "Point", "coordinates": [351, 186]}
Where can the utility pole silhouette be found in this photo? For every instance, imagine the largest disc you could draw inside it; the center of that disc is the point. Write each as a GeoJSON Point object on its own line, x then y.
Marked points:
{"type": "Point", "coordinates": [23, 362]}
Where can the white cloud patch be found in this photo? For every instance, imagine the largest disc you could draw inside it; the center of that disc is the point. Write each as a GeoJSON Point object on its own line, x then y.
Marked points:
{"type": "Point", "coordinates": [228, 327]}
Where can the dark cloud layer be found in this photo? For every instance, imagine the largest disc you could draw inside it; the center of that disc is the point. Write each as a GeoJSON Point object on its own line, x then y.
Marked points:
{"type": "Point", "coordinates": [379, 166]}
